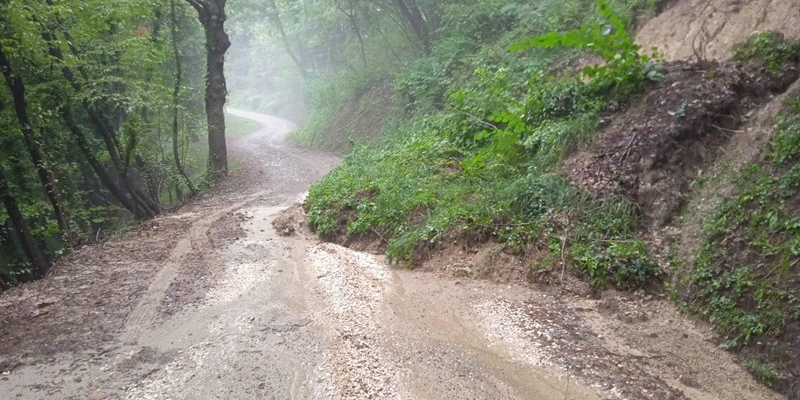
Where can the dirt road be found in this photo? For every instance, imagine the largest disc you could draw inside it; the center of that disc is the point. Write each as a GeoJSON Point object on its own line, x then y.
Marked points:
{"type": "Point", "coordinates": [212, 302]}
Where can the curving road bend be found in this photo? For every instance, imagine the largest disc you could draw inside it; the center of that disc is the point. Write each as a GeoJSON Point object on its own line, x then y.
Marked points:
{"type": "Point", "coordinates": [237, 311]}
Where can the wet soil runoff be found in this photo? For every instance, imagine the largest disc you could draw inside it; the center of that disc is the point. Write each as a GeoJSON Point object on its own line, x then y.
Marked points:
{"type": "Point", "coordinates": [231, 297]}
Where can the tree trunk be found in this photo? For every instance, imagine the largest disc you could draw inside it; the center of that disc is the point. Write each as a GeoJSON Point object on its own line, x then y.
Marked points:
{"type": "Point", "coordinates": [212, 16]}
{"type": "Point", "coordinates": [147, 207]}
{"type": "Point", "coordinates": [17, 88]}
{"type": "Point", "coordinates": [176, 93]}
{"type": "Point", "coordinates": [275, 17]}
{"type": "Point", "coordinates": [414, 18]}
{"type": "Point", "coordinates": [101, 173]}
{"type": "Point", "coordinates": [29, 246]}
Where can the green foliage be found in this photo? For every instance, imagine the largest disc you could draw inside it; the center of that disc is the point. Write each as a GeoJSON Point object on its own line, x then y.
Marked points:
{"type": "Point", "coordinates": [328, 101]}
{"type": "Point", "coordinates": [622, 264]}
{"type": "Point", "coordinates": [483, 130]}
{"type": "Point", "coordinates": [753, 244]}
{"type": "Point", "coordinates": [122, 70]}
{"type": "Point", "coordinates": [423, 84]}
{"type": "Point", "coordinates": [769, 47]}
{"type": "Point", "coordinates": [624, 70]}
{"type": "Point", "coordinates": [556, 112]}
{"type": "Point", "coordinates": [784, 147]}
{"type": "Point", "coordinates": [765, 372]}
{"type": "Point", "coordinates": [377, 191]}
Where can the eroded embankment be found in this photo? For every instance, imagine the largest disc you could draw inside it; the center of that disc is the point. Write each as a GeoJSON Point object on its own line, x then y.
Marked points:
{"type": "Point", "coordinates": [711, 29]}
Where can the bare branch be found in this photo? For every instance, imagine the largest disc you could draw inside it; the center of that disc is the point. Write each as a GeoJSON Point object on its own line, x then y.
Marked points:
{"type": "Point", "coordinates": [199, 6]}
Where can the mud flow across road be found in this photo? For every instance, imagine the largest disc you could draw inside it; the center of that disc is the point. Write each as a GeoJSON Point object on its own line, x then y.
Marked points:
{"type": "Point", "coordinates": [213, 303]}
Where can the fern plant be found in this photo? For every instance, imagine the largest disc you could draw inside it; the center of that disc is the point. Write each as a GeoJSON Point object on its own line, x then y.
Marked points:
{"type": "Point", "coordinates": [624, 70]}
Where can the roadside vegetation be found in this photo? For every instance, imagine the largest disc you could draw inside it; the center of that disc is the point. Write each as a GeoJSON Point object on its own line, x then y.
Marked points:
{"type": "Point", "coordinates": [458, 120]}
{"type": "Point", "coordinates": [483, 135]}
{"type": "Point", "coordinates": [744, 278]}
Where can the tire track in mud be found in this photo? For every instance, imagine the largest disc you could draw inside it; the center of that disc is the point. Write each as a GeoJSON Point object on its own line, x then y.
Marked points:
{"type": "Point", "coordinates": [146, 310]}
{"type": "Point", "coordinates": [250, 335]}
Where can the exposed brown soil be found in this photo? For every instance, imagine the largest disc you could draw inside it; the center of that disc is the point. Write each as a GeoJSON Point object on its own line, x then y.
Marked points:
{"type": "Point", "coordinates": [745, 147]}
{"type": "Point", "coordinates": [712, 28]}
{"type": "Point", "coordinates": [783, 352]}
{"type": "Point", "coordinates": [654, 152]}
{"type": "Point", "coordinates": [651, 154]}
{"type": "Point", "coordinates": [290, 221]}
{"type": "Point", "coordinates": [702, 122]}
{"type": "Point", "coordinates": [467, 256]}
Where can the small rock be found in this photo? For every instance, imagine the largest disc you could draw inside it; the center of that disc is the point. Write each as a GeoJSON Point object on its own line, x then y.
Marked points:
{"type": "Point", "coordinates": [303, 322]}
{"type": "Point", "coordinates": [97, 396]}
{"type": "Point", "coordinates": [46, 303]}
{"type": "Point", "coordinates": [689, 381]}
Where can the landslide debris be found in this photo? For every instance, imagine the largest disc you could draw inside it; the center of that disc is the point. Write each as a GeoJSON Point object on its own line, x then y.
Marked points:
{"type": "Point", "coordinates": [653, 153]}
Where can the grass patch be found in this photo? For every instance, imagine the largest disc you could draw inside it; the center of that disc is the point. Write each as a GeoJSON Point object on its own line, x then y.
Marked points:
{"type": "Point", "coordinates": [770, 48]}
{"type": "Point", "coordinates": [415, 191]}
{"type": "Point", "coordinates": [742, 277]}
{"type": "Point", "coordinates": [765, 372]}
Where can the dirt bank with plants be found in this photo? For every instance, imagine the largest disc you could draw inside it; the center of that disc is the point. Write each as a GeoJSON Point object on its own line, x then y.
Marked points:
{"type": "Point", "coordinates": [533, 164]}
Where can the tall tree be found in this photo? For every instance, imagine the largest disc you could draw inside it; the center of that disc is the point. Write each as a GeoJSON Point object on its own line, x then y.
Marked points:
{"type": "Point", "coordinates": [211, 14]}
{"type": "Point", "coordinates": [274, 15]}
{"type": "Point", "coordinates": [86, 106]}
{"type": "Point", "coordinates": [350, 11]}
{"type": "Point", "coordinates": [176, 96]}
{"type": "Point", "coordinates": [413, 15]}
{"type": "Point", "coordinates": [17, 87]}
{"type": "Point", "coordinates": [29, 246]}
{"type": "Point", "coordinates": [144, 206]}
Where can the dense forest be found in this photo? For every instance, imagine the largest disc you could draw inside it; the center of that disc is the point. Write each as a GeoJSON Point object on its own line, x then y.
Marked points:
{"type": "Point", "coordinates": [102, 116]}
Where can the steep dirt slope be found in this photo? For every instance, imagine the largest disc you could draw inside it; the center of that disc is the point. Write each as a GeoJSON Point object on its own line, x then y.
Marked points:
{"type": "Point", "coordinates": [712, 28]}
{"type": "Point", "coordinates": [689, 29]}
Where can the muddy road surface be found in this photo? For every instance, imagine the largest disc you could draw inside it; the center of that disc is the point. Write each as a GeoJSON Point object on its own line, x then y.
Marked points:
{"type": "Point", "coordinates": [231, 297]}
